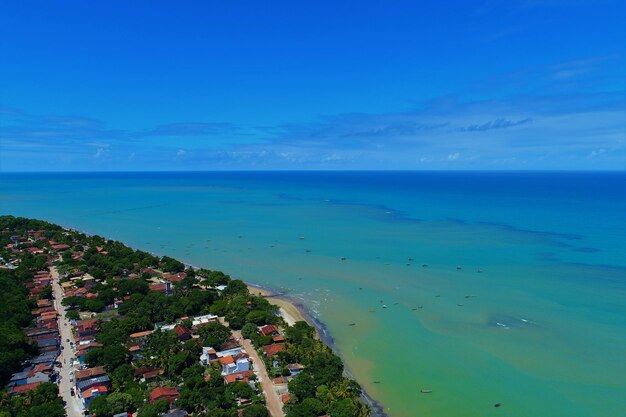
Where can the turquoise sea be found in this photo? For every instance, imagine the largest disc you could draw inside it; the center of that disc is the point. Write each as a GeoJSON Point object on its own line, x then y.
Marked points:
{"type": "Point", "coordinates": [499, 287]}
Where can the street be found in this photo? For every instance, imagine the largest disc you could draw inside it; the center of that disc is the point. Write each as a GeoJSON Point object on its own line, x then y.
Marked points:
{"type": "Point", "coordinates": [73, 407]}
{"type": "Point", "coordinates": [273, 402]}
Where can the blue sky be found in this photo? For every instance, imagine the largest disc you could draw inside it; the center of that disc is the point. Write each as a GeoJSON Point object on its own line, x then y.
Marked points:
{"type": "Point", "coordinates": [212, 85]}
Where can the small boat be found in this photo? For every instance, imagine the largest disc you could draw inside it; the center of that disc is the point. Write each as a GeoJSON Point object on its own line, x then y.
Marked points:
{"type": "Point", "coordinates": [408, 264]}
{"type": "Point", "coordinates": [471, 296]}
{"type": "Point", "coordinates": [370, 311]}
{"type": "Point", "coordinates": [301, 237]}
{"type": "Point", "coordinates": [410, 259]}
{"type": "Point", "coordinates": [343, 258]}
{"type": "Point", "coordinates": [308, 250]}
{"type": "Point", "coordinates": [384, 305]}
{"type": "Point", "coordinates": [478, 270]}
{"type": "Point", "coordinates": [424, 265]}
{"type": "Point", "coordinates": [376, 382]}
{"type": "Point", "coordinates": [352, 324]}
{"type": "Point", "coordinates": [460, 305]}
{"type": "Point", "coordinates": [413, 309]}
{"type": "Point", "coordinates": [426, 391]}
{"type": "Point", "coordinates": [395, 304]}
{"type": "Point", "coordinates": [458, 267]}
{"type": "Point", "coordinates": [437, 296]}
{"type": "Point", "coordinates": [497, 405]}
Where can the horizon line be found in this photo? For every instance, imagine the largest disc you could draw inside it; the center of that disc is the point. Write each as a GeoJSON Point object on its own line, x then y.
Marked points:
{"type": "Point", "coordinates": [325, 170]}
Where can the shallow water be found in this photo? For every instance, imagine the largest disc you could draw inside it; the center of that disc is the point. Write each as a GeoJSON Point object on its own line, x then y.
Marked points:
{"type": "Point", "coordinates": [534, 318]}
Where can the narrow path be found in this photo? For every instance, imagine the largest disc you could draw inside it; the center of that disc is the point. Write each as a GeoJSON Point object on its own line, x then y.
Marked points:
{"type": "Point", "coordinates": [274, 404]}
{"type": "Point", "coordinates": [73, 405]}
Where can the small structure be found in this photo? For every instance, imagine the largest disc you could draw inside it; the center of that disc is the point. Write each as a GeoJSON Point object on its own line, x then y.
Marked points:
{"type": "Point", "coordinates": [90, 394]}
{"type": "Point", "coordinates": [22, 389]}
{"type": "Point", "coordinates": [232, 364]}
{"type": "Point", "coordinates": [169, 393]}
{"type": "Point", "coordinates": [269, 330]}
{"type": "Point", "coordinates": [238, 377]}
{"type": "Point", "coordinates": [200, 320]}
{"type": "Point", "coordinates": [294, 369]}
{"type": "Point", "coordinates": [183, 333]}
{"type": "Point", "coordinates": [272, 350]}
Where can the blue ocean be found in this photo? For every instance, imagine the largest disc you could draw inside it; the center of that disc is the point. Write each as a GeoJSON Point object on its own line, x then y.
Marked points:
{"type": "Point", "coordinates": [484, 287]}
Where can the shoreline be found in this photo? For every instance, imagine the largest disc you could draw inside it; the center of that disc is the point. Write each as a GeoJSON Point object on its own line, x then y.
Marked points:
{"type": "Point", "coordinates": [294, 310]}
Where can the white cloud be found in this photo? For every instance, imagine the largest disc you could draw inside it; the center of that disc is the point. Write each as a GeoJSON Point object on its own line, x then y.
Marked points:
{"type": "Point", "coordinates": [100, 152]}
{"type": "Point", "coordinates": [453, 156]}
{"type": "Point", "coordinates": [596, 152]}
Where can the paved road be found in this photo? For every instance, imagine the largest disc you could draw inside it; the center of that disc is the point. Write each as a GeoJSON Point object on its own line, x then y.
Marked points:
{"type": "Point", "coordinates": [74, 407]}
{"type": "Point", "coordinates": [273, 402]}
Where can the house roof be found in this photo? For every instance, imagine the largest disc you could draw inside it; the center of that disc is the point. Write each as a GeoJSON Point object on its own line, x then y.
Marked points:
{"type": "Point", "coordinates": [163, 392]}
{"type": "Point", "coordinates": [182, 330]}
{"type": "Point", "coordinates": [141, 334]}
{"type": "Point", "coordinates": [92, 382]}
{"type": "Point", "coordinates": [238, 376]}
{"type": "Point", "coordinates": [42, 367]}
{"type": "Point", "coordinates": [152, 374]}
{"type": "Point", "coordinates": [90, 372]}
{"type": "Point", "coordinates": [20, 389]}
{"type": "Point", "coordinates": [271, 350]}
{"type": "Point", "coordinates": [268, 329]}
{"type": "Point", "coordinates": [158, 287]}
{"type": "Point", "coordinates": [225, 360]}
{"type": "Point", "coordinates": [98, 389]}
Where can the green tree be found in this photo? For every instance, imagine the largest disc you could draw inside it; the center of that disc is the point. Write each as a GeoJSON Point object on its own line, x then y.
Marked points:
{"type": "Point", "coordinates": [235, 287]}
{"type": "Point", "coordinates": [119, 402]}
{"type": "Point", "coordinates": [100, 407]}
{"type": "Point", "coordinates": [214, 334]}
{"type": "Point", "coordinates": [343, 408]}
{"type": "Point", "coordinates": [255, 410]}
{"type": "Point", "coordinates": [249, 330]}
{"type": "Point", "coordinates": [240, 390]}
{"type": "Point", "coordinates": [108, 356]}
{"type": "Point", "coordinates": [153, 409]}
{"type": "Point", "coordinates": [310, 407]}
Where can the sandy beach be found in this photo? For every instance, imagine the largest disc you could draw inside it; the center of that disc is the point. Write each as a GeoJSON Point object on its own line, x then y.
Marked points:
{"type": "Point", "coordinates": [288, 310]}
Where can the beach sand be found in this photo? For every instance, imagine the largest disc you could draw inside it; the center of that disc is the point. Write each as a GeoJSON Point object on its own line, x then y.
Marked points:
{"type": "Point", "coordinates": [288, 310]}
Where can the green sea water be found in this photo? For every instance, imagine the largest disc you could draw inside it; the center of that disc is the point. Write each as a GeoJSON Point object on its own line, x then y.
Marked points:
{"type": "Point", "coordinates": [484, 288]}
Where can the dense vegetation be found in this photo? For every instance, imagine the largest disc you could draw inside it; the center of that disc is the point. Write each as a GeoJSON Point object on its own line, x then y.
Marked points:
{"type": "Point", "coordinates": [15, 310]}
{"type": "Point", "coordinates": [42, 401]}
{"type": "Point", "coordinates": [15, 307]}
{"type": "Point", "coordinates": [123, 276]}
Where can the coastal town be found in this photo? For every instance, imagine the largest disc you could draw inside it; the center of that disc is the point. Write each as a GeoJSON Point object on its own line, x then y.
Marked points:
{"type": "Point", "coordinates": [99, 329]}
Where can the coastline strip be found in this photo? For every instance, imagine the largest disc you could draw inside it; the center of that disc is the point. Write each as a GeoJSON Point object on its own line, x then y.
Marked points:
{"type": "Point", "coordinates": [293, 310]}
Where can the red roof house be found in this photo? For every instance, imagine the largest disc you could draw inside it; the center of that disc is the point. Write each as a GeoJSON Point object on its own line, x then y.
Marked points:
{"type": "Point", "coordinates": [169, 393]}
{"type": "Point", "coordinates": [271, 350]}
